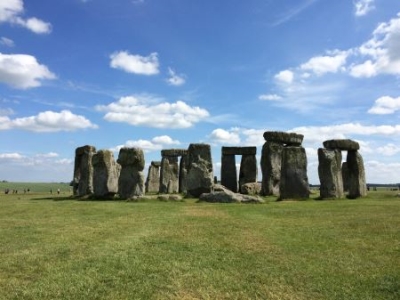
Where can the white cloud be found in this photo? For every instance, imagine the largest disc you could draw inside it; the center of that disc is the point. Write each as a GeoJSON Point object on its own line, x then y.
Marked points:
{"type": "Point", "coordinates": [48, 121]}
{"type": "Point", "coordinates": [175, 79]}
{"type": "Point", "coordinates": [378, 172]}
{"type": "Point", "coordinates": [270, 97]}
{"type": "Point", "coordinates": [131, 63]}
{"type": "Point", "coordinates": [11, 11]}
{"type": "Point", "coordinates": [11, 156]}
{"type": "Point", "coordinates": [285, 76]}
{"type": "Point", "coordinates": [362, 7]}
{"type": "Point", "coordinates": [22, 71]}
{"type": "Point", "coordinates": [388, 150]}
{"type": "Point", "coordinates": [7, 42]}
{"type": "Point", "coordinates": [139, 111]}
{"type": "Point", "coordinates": [155, 144]}
{"type": "Point", "coordinates": [225, 137]}
{"type": "Point", "coordinates": [326, 64]}
{"type": "Point", "coordinates": [385, 105]}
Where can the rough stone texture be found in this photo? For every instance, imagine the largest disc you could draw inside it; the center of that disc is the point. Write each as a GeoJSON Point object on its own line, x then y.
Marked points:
{"type": "Point", "coordinates": [345, 176]}
{"type": "Point", "coordinates": [342, 144]}
{"type": "Point", "coordinates": [105, 174]}
{"type": "Point", "coordinates": [83, 171]}
{"type": "Point", "coordinates": [271, 157]}
{"type": "Point", "coordinates": [284, 138]}
{"type": "Point", "coordinates": [228, 172]}
{"type": "Point", "coordinates": [173, 152]}
{"type": "Point", "coordinates": [169, 175]}
{"type": "Point", "coordinates": [131, 179]}
{"type": "Point", "coordinates": [248, 170]}
{"type": "Point", "coordinates": [153, 177]}
{"type": "Point", "coordinates": [183, 174]}
{"type": "Point", "coordinates": [251, 188]}
{"type": "Point", "coordinates": [294, 181]}
{"type": "Point", "coordinates": [200, 170]}
{"type": "Point", "coordinates": [357, 183]}
{"type": "Point", "coordinates": [330, 173]}
{"type": "Point", "coordinates": [239, 150]}
{"type": "Point", "coordinates": [223, 195]}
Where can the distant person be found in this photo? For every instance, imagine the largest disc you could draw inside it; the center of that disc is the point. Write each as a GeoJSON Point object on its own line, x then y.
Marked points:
{"type": "Point", "coordinates": [58, 191]}
{"type": "Point", "coordinates": [51, 191]}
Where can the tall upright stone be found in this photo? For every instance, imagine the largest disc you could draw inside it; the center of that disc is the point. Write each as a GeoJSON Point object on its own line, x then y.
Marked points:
{"type": "Point", "coordinates": [200, 174]}
{"type": "Point", "coordinates": [169, 177]}
{"type": "Point", "coordinates": [345, 176]}
{"type": "Point", "coordinates": [105, 174]}
{"type": "Point", "coordinates": [153, 177]}
{"type": "Point", "coordinates": [271, 157]}
{"type": "Point", "coordinates": [248, 170]}
{"type": "Point", "coordinates": [131, 179]}
{"type": "Point", "coordinates": [356, 172]}
{"type": "Point", "coordinates": [294, 180]}
{"type": "Point", "coordinates": [83, 171]}
{"type": "Point", "coordinates": [330, 175]}
{"type": "Point", "coordinates": [229, 173]}
{"type": "Point", "coordinates": [183, 173]}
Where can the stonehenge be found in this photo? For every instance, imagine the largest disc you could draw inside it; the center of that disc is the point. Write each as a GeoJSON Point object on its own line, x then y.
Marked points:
{"type": "Point", "coordinates": [336, 177]}
{"type": "Point", "coordinates": [247, 171]}
{"type": "Point", "coordinates": [190, 171]}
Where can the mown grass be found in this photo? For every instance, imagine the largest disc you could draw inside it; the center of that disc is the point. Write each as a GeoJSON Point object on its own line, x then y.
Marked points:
{"type": "Point", "coordinates": [60, 248]}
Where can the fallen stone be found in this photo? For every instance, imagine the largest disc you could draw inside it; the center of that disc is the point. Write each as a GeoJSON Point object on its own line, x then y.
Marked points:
{"type": "Point", "coordinates": [223, 195]}
{"type": "Point", "coordinates": [251, 188]}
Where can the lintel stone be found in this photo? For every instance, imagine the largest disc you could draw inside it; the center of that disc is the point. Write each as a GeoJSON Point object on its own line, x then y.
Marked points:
{"type": "Point", "coordinates": [239, 150]}
{"type": "Point", "coordinates": [289, 139]}
{"type": "Point", "coordinates": [174, 152]}
{"type": "Point", "coordinates": [342, 144]}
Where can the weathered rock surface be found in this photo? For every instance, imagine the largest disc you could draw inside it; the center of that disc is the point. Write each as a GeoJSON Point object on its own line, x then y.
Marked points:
{"type": "Point", "coordinates": [183, 173]}
{"type": "Point", "coordinates": [105, 174]}
{"type": "Point", "coordinates": [251, 188]}
{"type": "Point", "coordinates": [169, 175]}
{"type": "Point", "coordinates": [131, 179]}
{"type": "Point", "coordinates": [345, 176]}
{"type": "Point", "coordinates": [83, 171]}
{"type": "Point", "coordinates": [239, 150]}
{"type": "Point", "coordinates": [228, 172]}
{"type": "Point", "coordinates": [271, 157]}
{"type": "Point", "coordinates": [153, 177]}
{"type": "Point", "coordinates": [330, 173]}
{"type": "Point", "coordinates": [248, 170]}
{"type": "Point", "coordinates": [223, 195]}
{"type": "Point", "coordinates": [200, 175]}
{"type": "Point", "coordinates": [342, 144]}
{"type": "Point", "coordinates": [294, 180]}
{"type": "Point", "coordinates": [357, 182]}
{"type": "Point", "coordinates": [284, 138]}
{"type": "Point", "coordinates": [174, 152]}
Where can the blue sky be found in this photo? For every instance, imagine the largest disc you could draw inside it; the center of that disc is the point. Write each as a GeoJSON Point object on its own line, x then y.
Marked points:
{"type": "Point", "coordinates": [160, 74]}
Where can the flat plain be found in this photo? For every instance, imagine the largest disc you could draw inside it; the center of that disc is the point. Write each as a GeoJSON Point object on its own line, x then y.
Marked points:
{"type": "Point", "coordinates": [56, 247]}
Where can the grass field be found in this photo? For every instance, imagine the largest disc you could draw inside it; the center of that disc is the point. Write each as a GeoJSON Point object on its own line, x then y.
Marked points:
{"type": "Point", "coordinates": [55, 247]}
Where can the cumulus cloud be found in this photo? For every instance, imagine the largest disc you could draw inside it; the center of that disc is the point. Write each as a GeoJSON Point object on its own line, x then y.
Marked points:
{"type": "Point", "coordinates": [385, 105]}
{"type": "Point", "coordinates": [139, 111]}
{"type": "Point", "coordinates": [6, 42]}
{"type": "Point", "coordinates": [175, 79]}
{"type": "Point", "coordinates": [363, 7]}
{"type": "Point", "coordinates": [133, 63]}
{"type": "Point", "coordinates": [48, 121]}
{"type": "Point", "coordinates": [11, 11]}
{"type": "Point", "coordinates": [285, 76]}
{"type": "Point", "coordinates": [23, 71]}
{"type": "Point", "coordinates": [327, 63]}
{"type": "Point", "coordinates": [225, 137]}
{"type": "Point", "coordinates": [155, 144]}
{"type": "Point", "coordinates": [270, 97]}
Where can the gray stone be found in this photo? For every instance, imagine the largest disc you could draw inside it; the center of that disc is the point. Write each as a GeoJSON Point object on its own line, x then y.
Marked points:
{"type": "Point", "coordinates": [330, 173]}
{"type": "Point", "coordinates": [105, 174]}
{"type": "Point", "coordinates": [294, 180]}
{"type": "Point", "coordinates": [200, 170]}
{"type": "Point", "coordinates": [169, 175]}
{"type": "Point", "coordinates": [228, 172]}
{"type": "Point", "coordinates": [271, 157]}
{"type": "Point", "coordinates": [183, 174]}
{"type": "Point", "coordinates": [83, 171]}
{"type": "Point", "coordinates": [357, 182]}
{"type": "Point", "coordinates": [131, 179]}
{"type": "Point", "coordinates": [342, 144]}
{"type": "Point", "coordinates": [284, 138]}
{"type": "Point", "coordinates": [153, 177]}
{"type": "Point", "coordinates": [345, 176]}
{"type": "Point", "coordinates": [239, 150]}
{"type": "Point", "coordinates": [251, 188]}
{"type": "Point", "coordinates": [174, 152]}
{"type": "Point", "coordinates": [248, 170]}
{"type": "Point", "coordinates": [223, 195]}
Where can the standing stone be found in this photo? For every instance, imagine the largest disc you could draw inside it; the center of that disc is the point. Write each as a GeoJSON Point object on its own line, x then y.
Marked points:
{"type": "Point", "coordinates": [294, 181]}
{"type": "Point", "coordinates": [248, 170]}
{"type": "Point", "coordinates": [345, 176]}
{"type": "Point", "coordinates": [228, 172]}
{"type": "Point", "coordinates": [169, 175]}
{"type": "Point", "coordinates": [83, 171]}
{"type": "Point", "coordinates": [357, 183]}
{"type": "Point", "coordinates": [330, 175]}
{"type": "Point", "coordinates": [200, 170]}
{"type": "Point", "coordinates": [183, 173]}
{"type": "Point", "coordinates": [271, 157]}
{"type": "Point", "coordinates": [105, 174]}
{"type": "Point", "coordinates": [153, 177]}
{"type": "Point", "coordinates": [131, 179]}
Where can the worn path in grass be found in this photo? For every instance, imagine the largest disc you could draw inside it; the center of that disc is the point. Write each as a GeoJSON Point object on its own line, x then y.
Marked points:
{"type": "Point", "coordinates": [60, 248]}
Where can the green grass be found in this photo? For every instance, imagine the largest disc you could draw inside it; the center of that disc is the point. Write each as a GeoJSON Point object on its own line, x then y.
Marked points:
{"type": "Point", "coordinates": [54, 247]}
